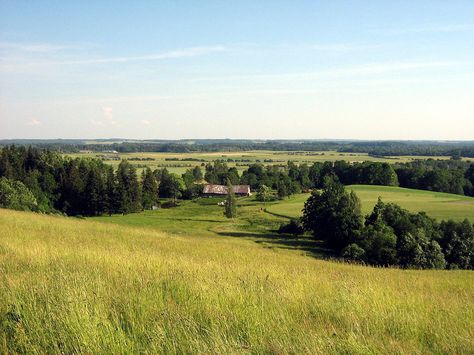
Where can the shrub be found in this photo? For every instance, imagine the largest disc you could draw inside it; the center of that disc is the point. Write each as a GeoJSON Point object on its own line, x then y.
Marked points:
{"type": "Point", "coordinates": [15, 195]}
{"type": "Point", "coordinates": [294, 227]}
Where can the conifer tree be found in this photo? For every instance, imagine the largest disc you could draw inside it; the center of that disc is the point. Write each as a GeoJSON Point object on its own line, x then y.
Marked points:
{"type": "Point", "coordinates": [230, 202]}
{"type": "Point", "coordinates": [149, 189]}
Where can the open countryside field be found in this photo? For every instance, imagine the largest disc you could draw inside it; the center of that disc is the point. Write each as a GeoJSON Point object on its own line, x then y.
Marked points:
{"type": "Point", "coordinates": [436, 204]}
{"type": "Point", "coordinates": [242, 159]}
{"type": "Point", "coordinates": [71, 286]}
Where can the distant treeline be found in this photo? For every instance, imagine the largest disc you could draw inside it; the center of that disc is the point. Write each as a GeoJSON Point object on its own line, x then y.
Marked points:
{"type": "Point", "coordinates": [376, 148]}
{"type": "Point", "coordinates": [85, 186]}
{"type": "Point", "coordinates": [464, 149]}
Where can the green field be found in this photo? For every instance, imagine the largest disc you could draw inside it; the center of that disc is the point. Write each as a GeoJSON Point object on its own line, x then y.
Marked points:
{"type": "Point", "coordinates": [278, 157]}
{"type": "Point", "coordinates": [75, 286]}
{"type": "Point", "coordinates": [436, 204]}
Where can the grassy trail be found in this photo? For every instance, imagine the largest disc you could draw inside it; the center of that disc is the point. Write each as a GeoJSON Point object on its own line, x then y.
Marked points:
{"type": "Point", "coordinates": [73, 286]}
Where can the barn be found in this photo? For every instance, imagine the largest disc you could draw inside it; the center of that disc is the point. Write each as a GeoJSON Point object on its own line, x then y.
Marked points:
{"type": "Point", "coordinates": [221, 190]}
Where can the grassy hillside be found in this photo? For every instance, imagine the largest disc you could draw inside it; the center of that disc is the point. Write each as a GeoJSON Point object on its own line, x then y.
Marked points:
{"type": "Point", "coordinates": [436, 204]}
{"type": "Point", "coordinates": [79, 286]}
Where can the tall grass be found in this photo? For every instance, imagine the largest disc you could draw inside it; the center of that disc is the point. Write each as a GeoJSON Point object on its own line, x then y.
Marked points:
{"type": "Point", "coordinates": [69, 286]}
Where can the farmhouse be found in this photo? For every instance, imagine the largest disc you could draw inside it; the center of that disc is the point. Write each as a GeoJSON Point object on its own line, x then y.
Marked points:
{"type": "Point", "coordinates": [221, 190]}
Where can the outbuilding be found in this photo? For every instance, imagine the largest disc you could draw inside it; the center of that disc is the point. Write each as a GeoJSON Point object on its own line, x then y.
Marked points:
{"type": "Point", "coordinates": [221, 190]}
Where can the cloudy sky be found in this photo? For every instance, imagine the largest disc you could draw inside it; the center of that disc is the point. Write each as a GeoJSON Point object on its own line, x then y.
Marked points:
{"type": "Point", "coordinates": [237, 69]}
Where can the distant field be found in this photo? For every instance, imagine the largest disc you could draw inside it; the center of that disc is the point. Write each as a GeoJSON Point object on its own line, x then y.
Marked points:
{"type": "Point", "coordinates": [435, 204]}
{"type": "Point", "coordinates": [251, 157]}
{"type": "Point", "coordinates": [77, 286]}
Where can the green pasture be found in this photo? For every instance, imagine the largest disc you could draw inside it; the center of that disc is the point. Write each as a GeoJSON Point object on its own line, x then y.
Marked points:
{"type": "Point", "coordinates": [436, 204]}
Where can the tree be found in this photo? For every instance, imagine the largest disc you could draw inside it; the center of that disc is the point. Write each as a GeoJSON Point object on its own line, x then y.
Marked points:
{"type": "Point", "coordinates": [15, 195]}
{"type": "Point", "coordinates": [197, 173]}
{"type": "Point", "coordinates": [415, 250]}
{"type": "Point", "coordinates": [149, 189]}
{"type": "Point", "coordinates": [94, 193]}
{"type": "Point", "coordinates": [379, 243]}
{"type": "Point", "coordinates": [128, 189]}
{"type": "Point", "coordinates": [333, 215]}
{"type": "Point", "coordinates": [457, 243]}
{"type": "Point", "coordinates": [282, 190]}
{"type": "Point", "coordinates": [176, 185]}
{"type": "Point", "coordinates": [263, 194]}
{"type": "Point", "coordinates": [110, 191]}
{"type": "Point", "coordinates": [353, 252]}
{"type": "Point", "coordinates": [293, 227]}
{"type": "Point", "coordinates": [230, 202]}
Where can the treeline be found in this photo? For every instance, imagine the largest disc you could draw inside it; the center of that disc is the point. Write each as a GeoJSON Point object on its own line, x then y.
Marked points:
{"type": "Point", "coordinates": [451, 176]}
{"type": "Point", "coordinates": [44, 181]}
{"type": "Point", "coordinates": [388, 236]}
{"type": "Point", "coordinates": [376, 148]}
{"type": "Point", "coordinates": [455, 149]}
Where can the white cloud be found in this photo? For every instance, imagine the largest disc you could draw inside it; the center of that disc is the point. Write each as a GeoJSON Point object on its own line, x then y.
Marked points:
{"type": "Point", "coordinates": [108, 119]}
{"type": "Point", "coordinates": [145, 122]}
{"type": "Point", "coordinates": [33, 47]}
{"type": "Point", "coordinates": [429, 28]}
{"type": "Point", "coordinates": [33, 122]}
{"type": "Point", "coordinates": [361, 70]}
{"type": "Point", "coordinates": [180, 53]}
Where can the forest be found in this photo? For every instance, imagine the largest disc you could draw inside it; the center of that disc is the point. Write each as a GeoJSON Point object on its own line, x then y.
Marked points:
{"type": "Point", "coordinates": [375, 148]}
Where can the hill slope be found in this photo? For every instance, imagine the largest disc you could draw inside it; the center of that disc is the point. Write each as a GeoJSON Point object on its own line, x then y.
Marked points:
{"type": "Point", "coordinates": [80, 286]}
{"type": "Point", "coordinates": [436, 204]}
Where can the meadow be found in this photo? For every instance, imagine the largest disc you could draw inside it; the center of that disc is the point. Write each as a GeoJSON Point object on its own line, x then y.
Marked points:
{"type": "Point", "coordinates": [242, 159]}
{"type": "Point", "coordinates": [436, 204]}
{"type": "Point", "coordinates": [79, 286]}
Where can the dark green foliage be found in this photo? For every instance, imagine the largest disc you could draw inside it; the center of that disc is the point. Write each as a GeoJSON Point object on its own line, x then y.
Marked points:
{"type": "Point", "coordinates": [73, 186]}
{"type": "Point", "coordinates": [333, 215]}
{"type": "Point", "coordinates": [171, 185]}
{"type": "Point", "coordinates": [149, 189]}
{"type": "Point", "coordinates": [391, 235]}
{"type": "Point", "coordinates": [294, 227]}
{"type": "Point", "coordinates": [282, 190]}
{"type": "Point", "coordinates": [230, 202]}
{"type": "Point", "coordinates": [416, 250]}
{"type": "Point", "coordinates": [458, 244]}
{"type": "Point", "coordinates": [192, 183]}
{"type": "Point", "coordinates": [128, 189]}
{"type": "Point", "coordinates": [379, 243]}
{"type": "Point", "coordinates": [219, 173]}
{"type": "Point", "coordinates": [353, 252]}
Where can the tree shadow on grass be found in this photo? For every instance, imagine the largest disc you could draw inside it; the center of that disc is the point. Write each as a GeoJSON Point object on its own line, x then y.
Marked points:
{"type": "Point", "coordinates": [310, 246]}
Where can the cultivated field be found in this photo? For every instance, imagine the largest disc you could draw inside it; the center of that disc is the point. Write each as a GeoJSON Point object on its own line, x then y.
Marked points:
{"type": "Point", "coordinates": [74, 286]}
{"type": "Point", "coordinates": [436, 204]}
{"type": "Point", "coordinates": [241, 160]}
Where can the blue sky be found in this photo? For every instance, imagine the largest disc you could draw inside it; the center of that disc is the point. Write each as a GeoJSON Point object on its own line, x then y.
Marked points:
{"type": "Point", "coordinates": [242, 69]}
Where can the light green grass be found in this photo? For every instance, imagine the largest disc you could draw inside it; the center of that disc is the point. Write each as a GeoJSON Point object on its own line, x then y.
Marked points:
{"type": "Point", "coordinates": [436, 204]}
{"type": "Point", "coordinates": [72, 286]}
